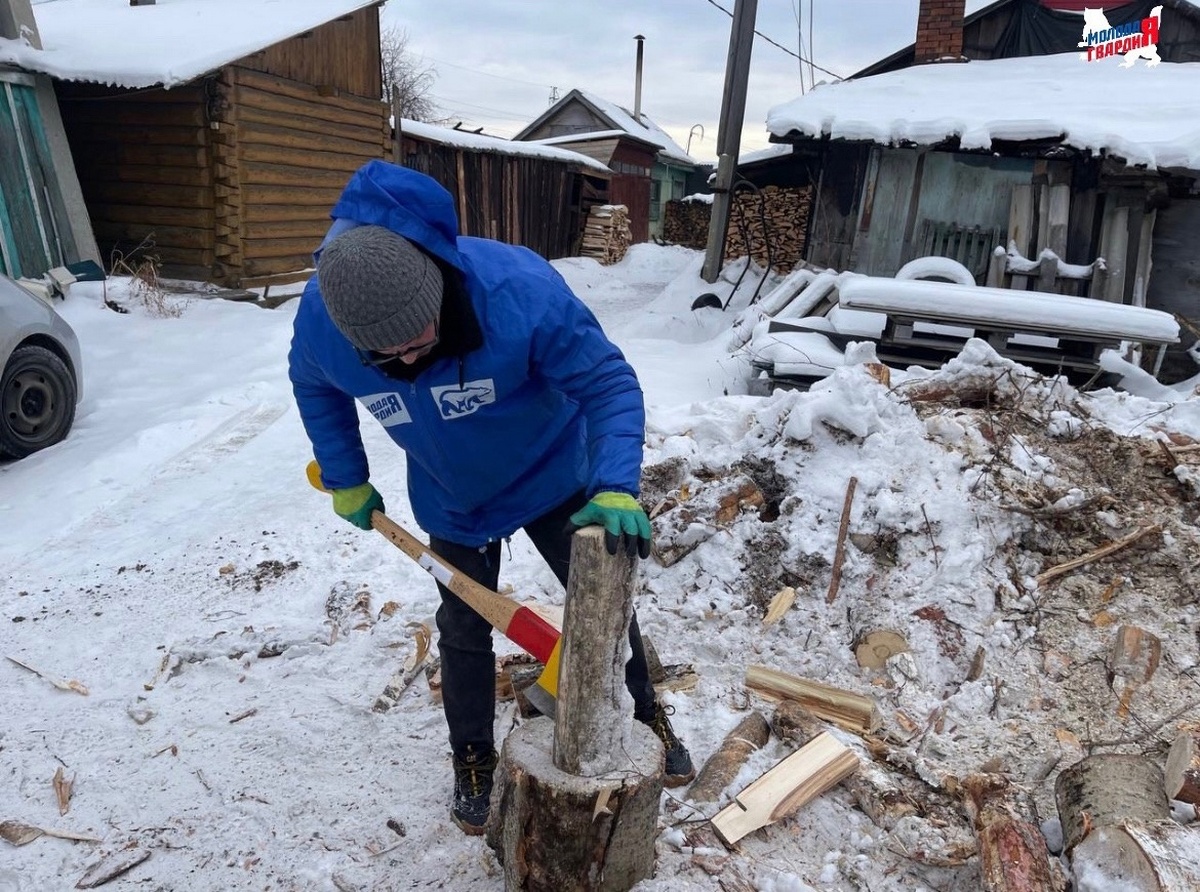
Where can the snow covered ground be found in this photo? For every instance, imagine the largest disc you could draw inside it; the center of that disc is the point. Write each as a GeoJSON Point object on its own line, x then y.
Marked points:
{"type": "Point", "coordinates": [232, 635]}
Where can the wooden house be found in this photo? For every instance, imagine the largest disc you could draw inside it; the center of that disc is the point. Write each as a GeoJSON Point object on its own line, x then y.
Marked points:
{"type": "Point", "coordinates": [1012, 152]}
{"type": "Point", "coordinates": [43, 221]}
{"type": "Point", "coordinates": [649, 168]}
{"type": "Point", "coordinates": [215, 135]}
{"type": "Point", "coordinates": [521, 193]}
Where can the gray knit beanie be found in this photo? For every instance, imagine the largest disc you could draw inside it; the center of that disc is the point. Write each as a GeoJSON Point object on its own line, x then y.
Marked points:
{"type": "Point", "coordinates": [380, 289]}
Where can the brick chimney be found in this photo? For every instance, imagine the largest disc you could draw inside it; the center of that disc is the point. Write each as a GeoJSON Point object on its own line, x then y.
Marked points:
{"type": "Point", "coordinates": [939, 29]}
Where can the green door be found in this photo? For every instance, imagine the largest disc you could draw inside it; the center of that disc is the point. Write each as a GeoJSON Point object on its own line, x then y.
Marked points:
{"type": "Point", "coordinates": [31, 238]}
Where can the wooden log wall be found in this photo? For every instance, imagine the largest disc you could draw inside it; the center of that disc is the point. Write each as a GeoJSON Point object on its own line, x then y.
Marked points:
{"type": "Point", "coordinates": [520, 200]}
{"type": "Point", "coordinates": [786, 212]}
{"type": "Point", "coordinates": [282, 152]}
{"type": "Point", "coordinates": [143, 163]}
{"type": "Point", "coordinates": [341, 56]}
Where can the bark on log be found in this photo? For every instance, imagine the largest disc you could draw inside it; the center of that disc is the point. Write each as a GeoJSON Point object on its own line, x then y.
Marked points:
{"type": "Point", "coordinates": [1107, 789]}
{"type": "Point", "coordinates": [749, 735]}
{"type": "Point", "coordinates": [1182, 772]}
{"type": "Point", "coordinates": [594, 712]}
{"type": "Point", "coordinates": [1139, 856]}
{"type": "Point", "coordinates": [554, 831]}
{"type": "Point", "coordinates": [1012, 851]}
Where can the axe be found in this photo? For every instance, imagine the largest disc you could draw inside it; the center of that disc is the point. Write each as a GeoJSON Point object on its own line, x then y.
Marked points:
{"type": "Point", "coordinates": [518, 623]}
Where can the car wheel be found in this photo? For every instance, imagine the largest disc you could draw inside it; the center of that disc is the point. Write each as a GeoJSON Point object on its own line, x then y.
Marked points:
{"type": "Point", "coordinates": [37, 401]}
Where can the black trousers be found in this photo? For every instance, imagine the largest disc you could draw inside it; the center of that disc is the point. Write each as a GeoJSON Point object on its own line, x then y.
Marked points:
{"type": "Point", "coordinates": [465, 638]}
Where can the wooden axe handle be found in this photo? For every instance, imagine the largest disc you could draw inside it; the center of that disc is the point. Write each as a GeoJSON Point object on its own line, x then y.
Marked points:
{"type": "Point", "coordinates": [518, 623]}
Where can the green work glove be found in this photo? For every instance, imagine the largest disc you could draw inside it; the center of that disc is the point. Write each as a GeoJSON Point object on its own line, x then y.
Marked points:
{"type": "Point", "coordinates": [356, 504]}
{"type": "Point", "coordinates": [622, 518]}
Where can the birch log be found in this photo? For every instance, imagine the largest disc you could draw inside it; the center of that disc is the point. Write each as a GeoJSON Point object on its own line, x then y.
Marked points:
{"type": "Point", "coordinates": [749, 735]}
{"type": "Point", "coordinates": [1139, 856]}
{"type": "Point", "coordinates": [1105, 790]}
{"type": "Point", "coordinates": [1182, 772]}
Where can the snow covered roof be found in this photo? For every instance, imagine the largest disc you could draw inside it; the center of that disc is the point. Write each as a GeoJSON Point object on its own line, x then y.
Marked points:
{"type": "Point", "coordinates": [1144, 115]}
{"type": "Point", "coordinates": [480, 142]}
{"type": "Point", "coordinates": [169, 43]}
{"type": "Point", "coordinates": [622, 122]}
{"type": "Point", "coordinates": [644, 128]}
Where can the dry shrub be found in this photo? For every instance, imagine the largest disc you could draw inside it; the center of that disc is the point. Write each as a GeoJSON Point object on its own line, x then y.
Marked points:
{"type": "Point", "coordinates": [141, 267]}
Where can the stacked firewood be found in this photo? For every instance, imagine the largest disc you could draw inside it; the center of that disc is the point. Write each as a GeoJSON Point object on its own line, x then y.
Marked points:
{"type": "Point", "coordinates": [779, 218]}
{"type": "Point", "coordinates": [685, 222]}
{"type": "Point", "coordinates": [606, 233]}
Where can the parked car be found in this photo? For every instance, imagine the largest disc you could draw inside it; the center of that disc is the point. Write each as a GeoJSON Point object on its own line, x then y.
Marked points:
{"type": "Point", "coordinates": [40, 377]}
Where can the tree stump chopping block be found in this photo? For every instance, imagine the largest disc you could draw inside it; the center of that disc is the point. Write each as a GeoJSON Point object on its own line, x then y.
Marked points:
{"type": "Point", "coordinates": [555, 831]}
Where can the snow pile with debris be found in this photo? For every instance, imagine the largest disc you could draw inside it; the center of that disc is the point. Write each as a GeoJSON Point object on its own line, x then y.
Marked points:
{"type": "Point", "coordinates": [233, 634]}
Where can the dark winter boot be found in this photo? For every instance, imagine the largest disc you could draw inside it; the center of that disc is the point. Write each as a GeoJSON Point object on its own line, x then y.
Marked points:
{"type": "Point", "coordinates": [473, 790]}
{"type": "Point", "coordinates": [679, 769]}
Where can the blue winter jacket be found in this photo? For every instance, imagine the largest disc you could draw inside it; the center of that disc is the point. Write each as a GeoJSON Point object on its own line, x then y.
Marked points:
{"type": "Point", "coordinates": [498, 436]}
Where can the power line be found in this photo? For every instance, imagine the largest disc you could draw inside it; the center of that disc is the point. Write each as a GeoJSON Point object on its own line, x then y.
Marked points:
{"type": "Point", "coordinates": [779, 45]}
{"type": "Point", "coordinates": [515, 80]}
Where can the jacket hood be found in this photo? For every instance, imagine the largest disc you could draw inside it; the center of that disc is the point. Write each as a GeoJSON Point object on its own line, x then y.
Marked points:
{"type": "Point", "coordinates": [409, 203]}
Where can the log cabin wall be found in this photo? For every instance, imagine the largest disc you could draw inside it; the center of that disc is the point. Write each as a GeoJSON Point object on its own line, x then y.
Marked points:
{"type": "Point", "coordinates": [534, 202]}
{"type": "Point", "coordinates": [341, 56]}
{"type": "Point", "coordinates": [230, 178]}
{"type": "Point", "coordinates": [282, 152]}
{"type": "Point", "coordinates": [142, 157]}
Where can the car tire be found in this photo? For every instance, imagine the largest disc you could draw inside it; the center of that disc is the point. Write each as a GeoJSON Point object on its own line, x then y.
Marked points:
{"type": "Point", "coordinates": [37, 401]}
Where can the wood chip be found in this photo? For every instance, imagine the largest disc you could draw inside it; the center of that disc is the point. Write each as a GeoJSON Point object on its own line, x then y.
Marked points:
{"type": "Point", "coordinates": [62, 790]}
{"type": "Point", "coordinates": [780, 604]}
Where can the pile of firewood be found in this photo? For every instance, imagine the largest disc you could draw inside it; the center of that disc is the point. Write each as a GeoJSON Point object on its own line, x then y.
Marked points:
{"type": "Point", "coordinates": [686, 223]}
{"type": "Point", "coordinates": [774, 221]}
{"type": "Point", "coordinates": [606, 234]}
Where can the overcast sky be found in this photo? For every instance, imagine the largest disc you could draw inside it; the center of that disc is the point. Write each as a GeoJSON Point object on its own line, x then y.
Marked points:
{"type": "Point", "coordinates": [497, 62]}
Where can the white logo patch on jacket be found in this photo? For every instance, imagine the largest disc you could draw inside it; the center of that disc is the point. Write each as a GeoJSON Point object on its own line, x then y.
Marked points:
{"type": "Point", "coordinates": [455, 402]}
{"type": "Point", "coordinates": [387, 408]}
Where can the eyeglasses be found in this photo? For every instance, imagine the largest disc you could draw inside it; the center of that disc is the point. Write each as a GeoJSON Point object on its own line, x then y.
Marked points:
{"type": "Point", "coordinates": [380, 357]}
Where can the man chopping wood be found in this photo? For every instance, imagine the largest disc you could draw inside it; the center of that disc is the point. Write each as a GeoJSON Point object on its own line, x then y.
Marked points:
{"type": "Point", "coordinates": [514, 409]}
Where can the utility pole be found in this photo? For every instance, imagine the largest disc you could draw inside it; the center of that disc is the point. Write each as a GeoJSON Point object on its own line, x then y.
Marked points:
{"type": "Point", "coordinates": [729, 132]}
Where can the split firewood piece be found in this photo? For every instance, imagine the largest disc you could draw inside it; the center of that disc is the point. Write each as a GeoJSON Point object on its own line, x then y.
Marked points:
{"type": "Point", "coordinates": [873, 648]}
{"type": "Point", "coordinates": [1105, 790]}
{"type": "Point", "coordinates": [1155, 856]}
{"type": "Point", "coordinates": [1182, 771]}
{"type": "Point", "coordinates": [1102, 552]}
{"type": "Point", "coordinates": [70, 685]}
{"type": "Point", "coordinates": [747, 737]}
{"type": "Point", "coordinates": [851, 711]}
{"type": "Point", "coordinates": [414, 666]}
{"type": "Point", "coordinates": [875, 790]}
{"type": "Point", "coordinates": [1135, 657]}
{"type": "Point", "coordinates": [112, 867]}
{"type": "Point", "coordinates": [792, 783]}
{"type": "Point", "coordinates": [62, 790]}
{"type": "Point", "coordinates": [18, 834]}
{"type": "Point", "coordinates": [839, 553]}
{"type": "Point", "coordinates": [780, 604]}
{"type": "Point", "coordinates": [1012, 850]}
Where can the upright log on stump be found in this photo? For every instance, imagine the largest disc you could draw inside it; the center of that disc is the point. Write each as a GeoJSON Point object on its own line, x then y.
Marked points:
{"type": "Point", "coordinates": [576, 802]}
